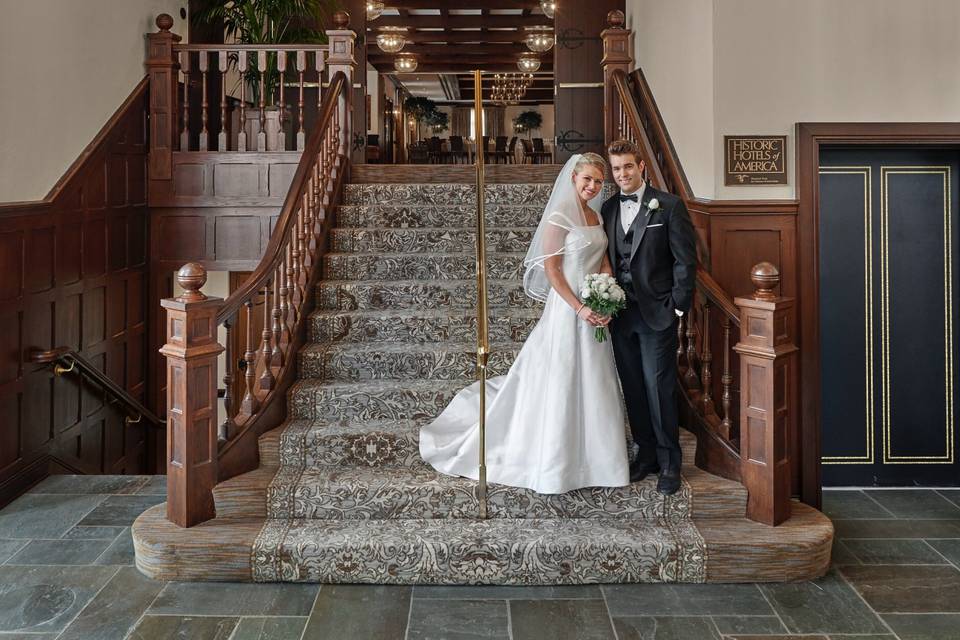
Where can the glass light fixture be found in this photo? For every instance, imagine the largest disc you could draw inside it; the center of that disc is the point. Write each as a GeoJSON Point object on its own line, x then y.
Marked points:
{"type": "Point", "coordinates": [405, 63]}
{"type": "Point", "coordinates": [539, 39]}
{"type": "Point", "coordinates": [392, 39]}
{"type": "Point", "coordinates": [549, 7]}
{"type": "Point", "coordinates": [528, 63]}
{"type": "Point", "coordinates": [374, 9]}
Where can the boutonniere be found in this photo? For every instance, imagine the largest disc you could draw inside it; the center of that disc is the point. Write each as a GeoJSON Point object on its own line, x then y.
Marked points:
{"type": "Point", "coordinates": [653, 205]}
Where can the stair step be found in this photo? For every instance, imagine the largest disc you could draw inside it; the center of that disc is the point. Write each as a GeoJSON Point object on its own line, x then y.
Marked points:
{"type": "Point", "coordinates": [451, 360]}
{"type": "Point", "coordinates": [314, 443]}
{"type": "Point", "coordinates": [414, 326]}
{"type": "Point", "coordinates": [451, 193]}
{"type": "Point", "coordinates": [508, 552]}
{"type": "Point", "coordinates": [374, 295]}
{"type": "Point", "coordinates": [428, 240]}
{"type": "Point", "coordinates": [374, 400]}
{"type": "Point", "coordinates": [427, 266]}
{"type": "Point", "coordinates": [392, 215]}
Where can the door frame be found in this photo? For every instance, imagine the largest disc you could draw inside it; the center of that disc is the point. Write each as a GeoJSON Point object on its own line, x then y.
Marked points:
{"type": "Point", "coordinates": [810, 138]}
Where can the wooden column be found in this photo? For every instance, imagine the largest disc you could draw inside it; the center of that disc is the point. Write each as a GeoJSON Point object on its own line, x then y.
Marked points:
{"type": "Point", "coordinates": [616, 55]}
{"type": "Point", "coordinates": [768, 373]}
{"type": "Point", "coordinates": [341, 58]}
{"type": "Point", "coordinates": [191, 351]}
{"type": "Point", "coordinates": [162, 67]}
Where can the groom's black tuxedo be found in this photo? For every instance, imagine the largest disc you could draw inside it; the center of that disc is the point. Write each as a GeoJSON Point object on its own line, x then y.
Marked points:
{"type": "Point", "coordinates": [655, 262]}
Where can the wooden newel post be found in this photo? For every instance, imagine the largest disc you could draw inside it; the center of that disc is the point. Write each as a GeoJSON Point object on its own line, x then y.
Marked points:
{"type": "Point", "coordinates": [616, 55]}
{"type": "Point", "coordinates": [341, 58]}
{"type": "Point", "coordinates": [768, 373]}
{"type": "Point", "coordinates": [163, 68]}
{"type": "Point", "coordinates": [191, 351]}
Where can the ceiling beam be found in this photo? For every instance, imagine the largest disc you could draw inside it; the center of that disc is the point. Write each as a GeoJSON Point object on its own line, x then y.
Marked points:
{"type": "Point", "coordinates": [462, 4]}
{"type": "Point", "coordinates": [449, 67]}
{"type": "Point", "coordinates": [461, 22]}
{"type": "Point", "coordinates": [466, 57]}
{"type": "Point", "coordinates": [473, 49]}
{"type": "Point", "coordinates": [458, 36]}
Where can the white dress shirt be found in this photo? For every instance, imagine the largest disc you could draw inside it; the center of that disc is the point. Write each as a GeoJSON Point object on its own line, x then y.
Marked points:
{"type": "Point", "coordinates": [629, 210]}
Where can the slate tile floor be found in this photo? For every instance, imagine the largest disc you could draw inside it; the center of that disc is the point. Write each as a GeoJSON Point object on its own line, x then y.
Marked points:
{"type": "Point", "coordinates": [66, 573]}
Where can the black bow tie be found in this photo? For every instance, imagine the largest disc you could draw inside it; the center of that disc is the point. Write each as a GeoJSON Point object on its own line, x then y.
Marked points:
{"type": "Point", "coordinates": [624, 198]}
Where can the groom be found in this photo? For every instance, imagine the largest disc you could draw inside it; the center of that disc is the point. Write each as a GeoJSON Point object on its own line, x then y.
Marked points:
{"type": "Point", "coordinates": [653, 252]}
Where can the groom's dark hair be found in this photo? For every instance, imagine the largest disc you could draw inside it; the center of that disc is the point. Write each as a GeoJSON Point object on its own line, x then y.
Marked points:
{"type": "Point", "coordinates": [623, 148]}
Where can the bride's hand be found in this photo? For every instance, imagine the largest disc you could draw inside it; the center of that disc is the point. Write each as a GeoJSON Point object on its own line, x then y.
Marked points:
{"type": "Point", "coordinates": [594, 318]}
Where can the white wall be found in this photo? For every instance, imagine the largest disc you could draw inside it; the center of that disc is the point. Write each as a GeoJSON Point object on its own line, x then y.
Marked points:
{"type": "Point", "coordinates": [778, 62]}
{"type": "Point", "coordinates": [65, 67]}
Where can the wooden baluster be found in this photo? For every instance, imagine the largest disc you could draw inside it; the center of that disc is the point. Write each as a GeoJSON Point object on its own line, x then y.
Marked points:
{"type": "Point", "coordinates": [301, 67]}
{"type": "Point", "coordinates": [726, 424]}
{"type": "Point", "coordinates": [242, 70]}
{"type": "Point", "coordinates": [185, 133]}
{"type": "Point", "coordinates": [706, 358]}
{"type": "Point", "coordinates": [204, 105]}
{"type": "Point", "coordinates": [227, 426]}
{"type": "Point", "coordinates": [284, 301]}
{"type": "Point", "coordinates": [680, 337]}
{"type": "Point", "coordinates": [305, 248]}
{"type": "Point", "coordinates": [262, 66]}
{"type": "Point", "coordinates": [250, 403]}
{"type": "Point", "coordinates": [276, 356]}
{"type": "Point", "coordinates": [267, 380]}
{"type": "Point", "coordinates": [691, 377]}
{"type": "Point", "coordinates": [222, 66]}
{"type": "Point", "coordinates": [295, 267]}
{"type": "Point", "coordinates": [281, 69]}
{"type": "Point", "coordinates": [302, 273]}
{"type": "Point", "coordinates": [320, 65]}
{"type": "Point", "coordinates": [291, 317]}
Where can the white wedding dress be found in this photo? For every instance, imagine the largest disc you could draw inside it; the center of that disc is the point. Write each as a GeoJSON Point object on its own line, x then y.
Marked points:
{"type": "Point", "coordinates": [555, 421]}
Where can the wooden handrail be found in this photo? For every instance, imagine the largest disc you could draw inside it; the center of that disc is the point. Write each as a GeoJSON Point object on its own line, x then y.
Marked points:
{"type": "Point", "coordinates": [67, 360]}
{"type": "Point", "coordinates": [270, 48]}
{"type": "Point", "coordinates": [713, 292]}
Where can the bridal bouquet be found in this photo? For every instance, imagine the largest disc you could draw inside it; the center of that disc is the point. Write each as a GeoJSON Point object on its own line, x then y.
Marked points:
{"type": "Point", "coordinates": [602, 294]}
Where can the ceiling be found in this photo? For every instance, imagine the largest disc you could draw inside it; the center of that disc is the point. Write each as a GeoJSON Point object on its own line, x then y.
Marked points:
{"type": "Point", "coordinates": [451, 38]}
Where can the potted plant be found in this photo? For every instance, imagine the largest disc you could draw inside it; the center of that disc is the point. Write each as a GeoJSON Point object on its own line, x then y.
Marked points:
{"type": "Point", "coordinates": [527, 121]}
{"type": "Point", "coordinates": [267, 22]}
{"type": "Point", "coordinates": [438, 121]}
{"type": "Point", "coordinates": [419, 108]}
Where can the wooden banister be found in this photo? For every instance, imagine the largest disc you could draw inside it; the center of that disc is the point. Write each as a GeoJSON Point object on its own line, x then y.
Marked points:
{"type": "Point", "coordinates": [202, 449]}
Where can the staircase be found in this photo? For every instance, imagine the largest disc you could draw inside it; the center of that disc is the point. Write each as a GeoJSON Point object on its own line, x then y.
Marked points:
{"type": "Point", "coordinates": [341, 494]}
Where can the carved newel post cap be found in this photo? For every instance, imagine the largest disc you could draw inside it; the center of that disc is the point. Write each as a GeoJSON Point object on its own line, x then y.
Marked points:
{"type": "Point", "coordinates": [192, 277]}
{"type": "Point", "coordinates": [616, 19]}
{"type": "Point", "coordinates": [341, 20]}
{"type": "Point", "coordinates": [164, 22]}
{"type": "Point", "coordinates": [765, 278]}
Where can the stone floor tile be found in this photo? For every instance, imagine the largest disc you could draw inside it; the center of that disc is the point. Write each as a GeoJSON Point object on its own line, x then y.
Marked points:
{"type": "Point", "coordinates": [841, 554]}
{"type": "Point", "coordinates": [844, 529]}
{"type": "Point", "coordinates": [659, 628]}
{"type": "Point", "coordinates": [484, 592]}
{"type": "Point", "coordinates": [560, 620]}
{"type": "Point", "coordinates": [45, 516]}
{"type": "Point", "coordinates": [85, 484]}
{"type": "Point", "coordinates": [28, 636]}
{"type": "Point", "coordinates": [826, 605]}
{"type": "Point", "coordinates": [916, 503]}
{"type": "Point", "coordinates": [45, 599]}
{"type": "Point", "coordinates": [949, 549]}
{"type": "Point", "coordinates": [907, 589]}
{"type": "Point", "coordinates": [183, 628]}
{"type": "Point", "coordinates": [9, 547]}
{"type": "Point", "coordinates": [893, 552]}
{"type": "Point", "coordinates": [458, 619]}
{"type": "Point", "coordinates": [120, 510]}
{"type": "Point", "coordinates": [60, 552]}
{"type": "Point", "coordinates": [944, 626]}
{"type": "Point", "coordinates": [116, 609]}
{"type": "Point", "coordinates": [93, 533]}
{"type": "Point", "coordinates": [359, 611]}
{"type": "Point", "coordinates": [851, 505]}
{"type": "Point", "coordinates": [685, 600]}
{"type": "Point", "coordinates": [868, 636]}
{"type": "Point", "coordinates": [120, 551]}
{"type": "Point", "coordinates": [155, 486]}
{"type": "Point", "coordinates": [783, 637]}
{"type": "Point", "coordinates": [269, 629]}
{"type": "Point", "coordinates": [235, 599]}
{"type": "Point", "coordinates": [749, 624]}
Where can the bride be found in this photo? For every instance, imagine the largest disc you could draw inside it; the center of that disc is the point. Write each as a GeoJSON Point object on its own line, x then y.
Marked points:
{"type": "Point", "coordinates": [555, 421]}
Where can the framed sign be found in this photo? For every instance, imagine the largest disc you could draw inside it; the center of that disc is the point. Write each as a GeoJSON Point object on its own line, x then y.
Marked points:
{"type": "Point", "coordinates": [754, 160]}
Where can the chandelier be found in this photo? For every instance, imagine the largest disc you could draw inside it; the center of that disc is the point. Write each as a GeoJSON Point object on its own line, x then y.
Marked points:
{"type": "Point", "coordinates": [374, 9]}
{"type": "Point", "coordinates": [528, 63]}
{"type": "Point", "coordinates": [508, 88]}
{"type": "Point", "coordinates": [540, 39]}
{"type": "Point", "coordinates": [405, 63]}
{"type": "Point", "coordinates": [392, 39]}
{"type": "Point", "coordinates": [549, 7]}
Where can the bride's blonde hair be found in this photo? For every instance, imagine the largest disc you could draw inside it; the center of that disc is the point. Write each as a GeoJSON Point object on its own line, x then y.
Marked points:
{"type": "Point", "coordinates": [593, 160]}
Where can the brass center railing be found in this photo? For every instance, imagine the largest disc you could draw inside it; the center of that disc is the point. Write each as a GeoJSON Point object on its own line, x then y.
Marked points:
{"type": "Point", "coordinates": [483, 340]}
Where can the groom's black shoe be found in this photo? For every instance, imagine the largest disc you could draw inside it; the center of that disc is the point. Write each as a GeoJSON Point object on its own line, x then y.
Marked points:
{"type": "Point", "coordinates": [669, 482]}
{"type": "Point", "coordinates": [640, 470]}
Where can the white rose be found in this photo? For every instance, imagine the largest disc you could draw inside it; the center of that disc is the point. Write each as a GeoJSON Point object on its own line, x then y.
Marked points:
{"type": "Point", "coordinates": [654, 204]}
{"type": "Point", "coordinates": [603, 286]}
{"type": "Point", "coordinates": [605, 296]}
{"type": "Point", "coordinates": [585, 293]}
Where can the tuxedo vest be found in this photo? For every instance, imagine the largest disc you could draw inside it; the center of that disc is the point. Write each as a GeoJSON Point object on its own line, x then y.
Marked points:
{"type": "Point", "coordinates": [622, 252]}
